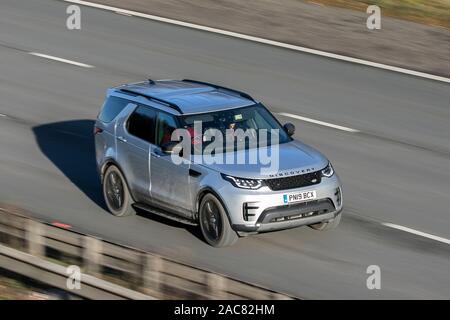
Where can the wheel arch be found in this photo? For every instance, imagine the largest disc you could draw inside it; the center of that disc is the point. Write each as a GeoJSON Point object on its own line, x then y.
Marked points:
{"type": "Point", "coordinates": [204, 191]}
{"type": "Point", "coordinates": [108, 163]}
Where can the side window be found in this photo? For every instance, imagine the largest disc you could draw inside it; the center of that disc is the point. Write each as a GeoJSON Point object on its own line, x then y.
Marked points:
{"type": "Point", "coordinates": [165, 125]}
{"type": "Point", "coordinates": [142, 124]}
{"type": "Point", "coordinates": [111, 108]}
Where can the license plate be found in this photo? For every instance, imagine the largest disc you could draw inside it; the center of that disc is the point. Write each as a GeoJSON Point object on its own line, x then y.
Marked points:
{"type": "Point", "coordinates": [299, 196]}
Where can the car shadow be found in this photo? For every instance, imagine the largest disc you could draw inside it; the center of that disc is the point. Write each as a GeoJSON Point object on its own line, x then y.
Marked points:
{"type": "Point", "coordinates": [194, 230]}
{"type": "Point", "coordinates": [69, 145]}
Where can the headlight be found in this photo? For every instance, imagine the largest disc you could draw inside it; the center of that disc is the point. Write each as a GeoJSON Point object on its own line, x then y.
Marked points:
{"type": "Point", "coordinates": [328, 171]}
{"type": "Point", "coordinates": [244, 183]}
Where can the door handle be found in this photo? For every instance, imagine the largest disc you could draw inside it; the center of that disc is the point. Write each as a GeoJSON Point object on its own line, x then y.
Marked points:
{"type": "Point", "coordinates": [120, 138]}
{"type": "Point", "coordinates": [155, 155]}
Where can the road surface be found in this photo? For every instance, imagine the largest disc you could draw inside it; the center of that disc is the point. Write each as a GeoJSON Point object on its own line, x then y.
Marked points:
{"type": "Point", "coordinates": [395, 165]}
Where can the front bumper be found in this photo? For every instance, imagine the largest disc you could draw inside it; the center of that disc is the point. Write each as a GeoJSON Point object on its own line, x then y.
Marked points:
{"type": "Point", "coordinates": [262, 210]}
{"type": "Point", "coordinates": [272, 226]}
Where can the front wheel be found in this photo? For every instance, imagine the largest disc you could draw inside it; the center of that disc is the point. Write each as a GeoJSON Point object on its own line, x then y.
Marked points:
{"type": "Point", "coordinates": [214, 223]}
{"type": "Point", "coordinates": [328, 225]}
{"type": "Point", "coordinates": [116, 193]}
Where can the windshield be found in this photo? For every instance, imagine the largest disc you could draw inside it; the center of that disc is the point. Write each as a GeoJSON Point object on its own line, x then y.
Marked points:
{"type": "Point", "coordinates": [240, 128]}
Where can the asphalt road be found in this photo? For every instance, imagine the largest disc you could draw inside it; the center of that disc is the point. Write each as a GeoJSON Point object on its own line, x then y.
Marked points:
{"type": "Point", "coordinates": [397, 169]}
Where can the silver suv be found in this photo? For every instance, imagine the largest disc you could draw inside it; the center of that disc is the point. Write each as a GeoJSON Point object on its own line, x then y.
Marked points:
{"type": "Point", "coordinates": [143, 166]}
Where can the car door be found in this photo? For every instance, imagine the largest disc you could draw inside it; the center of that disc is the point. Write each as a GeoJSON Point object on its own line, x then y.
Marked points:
{"type": "Point", "coordinates": [135, 135]}
{"type": "Point", "coordinates": [170, 182]}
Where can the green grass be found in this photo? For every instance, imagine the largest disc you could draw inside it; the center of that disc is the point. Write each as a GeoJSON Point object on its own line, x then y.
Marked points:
{"type": "Point", "coordinates": [431, 12]}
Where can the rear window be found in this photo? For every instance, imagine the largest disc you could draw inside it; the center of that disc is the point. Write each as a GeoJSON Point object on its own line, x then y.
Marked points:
{"type": "Point", "coordinates": [111, 108]}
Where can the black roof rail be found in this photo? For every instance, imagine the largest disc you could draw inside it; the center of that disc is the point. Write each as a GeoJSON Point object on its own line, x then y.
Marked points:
{"type": "Point", "coordinates": [167, 103]}
{"type": "Point", "coordinates": [242, 94]}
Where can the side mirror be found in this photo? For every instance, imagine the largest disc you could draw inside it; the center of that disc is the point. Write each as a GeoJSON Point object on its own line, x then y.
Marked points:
{"type": "Point", "coordinates": [289, 128]}
{"type": "Point", "coordinates": [172, 147]}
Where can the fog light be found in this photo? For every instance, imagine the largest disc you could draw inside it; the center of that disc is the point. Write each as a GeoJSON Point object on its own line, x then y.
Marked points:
{"type": "Point", "coordinates": [248, 210]}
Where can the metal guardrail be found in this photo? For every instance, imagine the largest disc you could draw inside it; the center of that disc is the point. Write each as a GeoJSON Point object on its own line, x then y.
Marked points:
{"type": "Point", "coordinates": [55, 275]}
{"type": "Point", "coordinates": [143, 274]}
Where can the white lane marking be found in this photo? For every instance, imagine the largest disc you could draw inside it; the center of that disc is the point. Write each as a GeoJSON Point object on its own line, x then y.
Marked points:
{"type": "Point", "coordinates": [123, 13]}
{"type": "Point", "coordinates": [79, 64]}
{"type": "Point", "coordinates": [322, 123]}
{"type": "Point", "coordinates": [416, 232]}
{"type": "Point", "coordinates": [264, 41]}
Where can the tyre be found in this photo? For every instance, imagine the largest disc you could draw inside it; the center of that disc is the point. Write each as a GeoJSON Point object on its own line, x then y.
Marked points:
{"type": "Point", "coordinates": [328, 225]}
{"type": "Point", "coordinates": [116, 193]}
{"type": "Point", "coordinates": [214, 223]}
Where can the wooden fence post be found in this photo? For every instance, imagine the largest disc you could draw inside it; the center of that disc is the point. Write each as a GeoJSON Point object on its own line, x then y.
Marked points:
{"type": "Point", "coordinates": [35, 239]}
{"type": "Point", "coordinates": [216, 285]}
{"type": "Point", "coordinates": [92, 255]}
{"type": "Point", "coordinates": [151, 274]}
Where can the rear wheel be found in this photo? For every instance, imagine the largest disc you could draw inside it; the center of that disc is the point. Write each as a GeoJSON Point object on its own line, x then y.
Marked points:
{"type": "Point", "coordinates": [214, 223]}
{"type": "Point", "coordinates": [328, 225]}
{"type": "Point", "coordinates": [116, 193]}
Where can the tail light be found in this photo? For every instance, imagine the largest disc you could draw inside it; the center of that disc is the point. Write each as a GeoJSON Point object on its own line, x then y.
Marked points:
{"type": "Point", "coordinates": [97, 130]}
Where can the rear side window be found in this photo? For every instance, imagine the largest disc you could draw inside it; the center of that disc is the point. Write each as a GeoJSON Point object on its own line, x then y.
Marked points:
{"type": "Point", "coordinates": [111, 108]}
{"type": "Point", "coordinates": [142, 124]}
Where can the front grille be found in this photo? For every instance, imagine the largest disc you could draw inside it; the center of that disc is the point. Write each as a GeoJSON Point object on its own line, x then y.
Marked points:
{"type": "Point", "coordinates": [298, 181]}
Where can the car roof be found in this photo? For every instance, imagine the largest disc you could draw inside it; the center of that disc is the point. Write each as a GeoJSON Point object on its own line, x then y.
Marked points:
{"type": "Point", "coordinates": [188, 96]}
